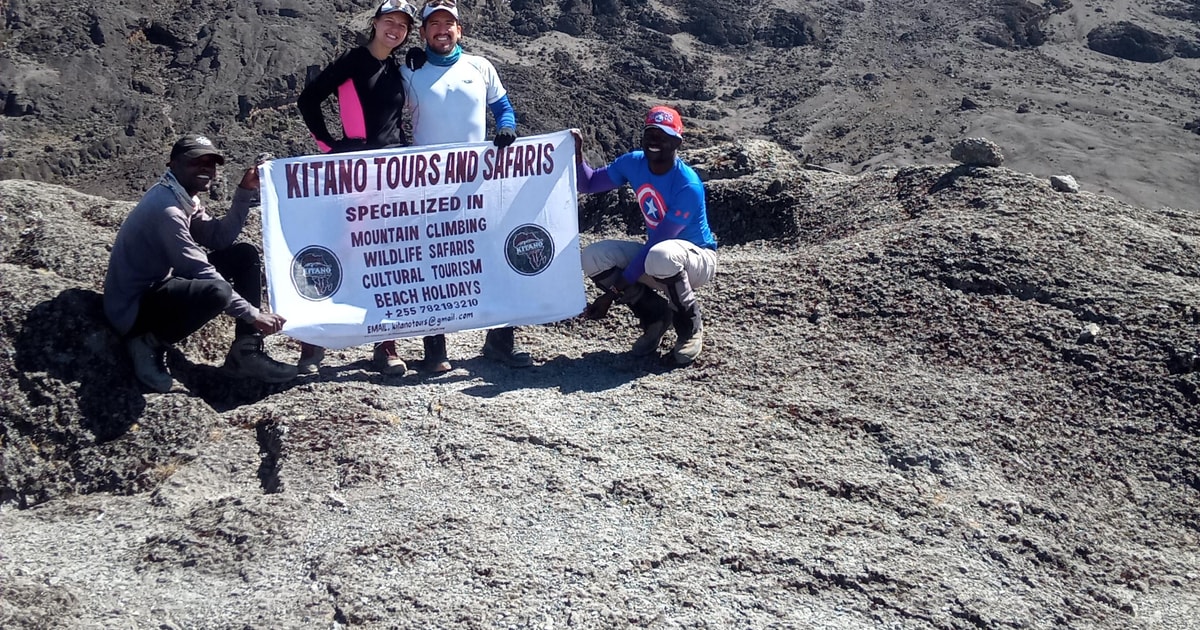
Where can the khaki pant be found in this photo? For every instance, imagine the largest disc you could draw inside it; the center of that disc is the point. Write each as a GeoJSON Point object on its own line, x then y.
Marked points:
{"type": "Point", "coordinates": [663, 261]}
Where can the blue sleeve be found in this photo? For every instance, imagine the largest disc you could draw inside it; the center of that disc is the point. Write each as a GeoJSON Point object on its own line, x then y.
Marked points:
{"type": "Point", "coordinates": [502, 109]}
{"type": "Point", "coordinates": [617, 170]}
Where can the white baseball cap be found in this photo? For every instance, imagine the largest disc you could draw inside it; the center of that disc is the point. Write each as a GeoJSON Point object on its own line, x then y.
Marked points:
{"type": "Point", "coordinates": [393, 6]}
{"type": "Point", "coordinates": [449, 6]}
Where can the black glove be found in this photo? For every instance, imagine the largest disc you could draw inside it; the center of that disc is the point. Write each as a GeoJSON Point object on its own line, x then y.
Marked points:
{"type": "Point", "coordinates": [598, 309]}
{"type": "Point", "coordinates": [504, 137]}
{"type": "Point", "coordinates": [346, 145]}
{"type": "Point", "coordinates": [630, 294]}
{"type": "Point", "coordinates": [415, 58]}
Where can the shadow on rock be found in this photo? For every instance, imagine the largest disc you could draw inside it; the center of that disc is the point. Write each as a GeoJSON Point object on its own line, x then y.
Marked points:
{"type": "Point", "coordinates": [66, 350]}
{"type": "Point", "coordinates": [75, 420]}
{"type": "Point", "coordinates": [947, 180]}
{"type": "Point", "coordinates": [593, 372]}
{"type": "Point", "coordinates": [270, 435]}
{"type": "Point", "coordinates": [221, 389]}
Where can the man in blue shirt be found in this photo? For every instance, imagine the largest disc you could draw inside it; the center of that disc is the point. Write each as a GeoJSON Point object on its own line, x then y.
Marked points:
{"type": "Point", "coordinates": [680, 252]}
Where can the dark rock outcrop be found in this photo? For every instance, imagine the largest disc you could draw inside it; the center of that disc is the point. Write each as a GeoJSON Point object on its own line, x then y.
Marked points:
{"type": "Point", "coordinates": [1022, 24]}
{"type": "Point", "coordinates": [111, 80]}
{"type": "Point", "coordinates": [1130, 41]}
{"type": "Point", "coordinates": [96, 94]}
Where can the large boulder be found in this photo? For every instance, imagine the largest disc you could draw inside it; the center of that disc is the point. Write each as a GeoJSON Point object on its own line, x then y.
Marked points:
{"type": "Point", "coordinates": [1130, 41]}
{"type": "Point", "coordinates": [74, 420]}
{"type": "Point", "coordinates": [1020, 24]}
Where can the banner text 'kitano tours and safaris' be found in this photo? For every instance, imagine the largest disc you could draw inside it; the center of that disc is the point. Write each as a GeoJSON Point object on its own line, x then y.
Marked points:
{"type": "Point", "coordinates": [394, 243]}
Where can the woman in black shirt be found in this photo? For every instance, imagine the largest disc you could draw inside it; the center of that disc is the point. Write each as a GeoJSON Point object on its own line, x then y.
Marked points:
{"type": "Point", "coordinates": [370, 100]}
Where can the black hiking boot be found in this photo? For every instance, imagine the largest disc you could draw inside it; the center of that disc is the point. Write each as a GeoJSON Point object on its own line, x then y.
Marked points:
{"type": "Point", "coordinates": [654, 317]}
{"type": "Point", "coordinates": [501, 346]}
{"type": "Point", "coordinates": [435, 359]}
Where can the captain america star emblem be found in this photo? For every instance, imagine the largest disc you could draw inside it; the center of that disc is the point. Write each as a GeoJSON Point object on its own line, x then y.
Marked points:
{"type": "Point", "coordinates": [654, 209]}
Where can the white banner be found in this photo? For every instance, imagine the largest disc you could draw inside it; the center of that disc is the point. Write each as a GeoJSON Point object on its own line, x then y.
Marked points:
{"type": "Point", "coordinates": [393, 243]}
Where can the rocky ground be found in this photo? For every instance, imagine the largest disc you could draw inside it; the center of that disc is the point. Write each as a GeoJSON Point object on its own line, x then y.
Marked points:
{"type": "Point", "coordinates": [938, 397]}
{"type": "Point", "coordinates": [932, 396]}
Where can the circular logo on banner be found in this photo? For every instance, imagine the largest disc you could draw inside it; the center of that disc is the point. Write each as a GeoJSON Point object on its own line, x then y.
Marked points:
{"type": "Point", "coordinates": [529, 249]}
{"type": "Point", "coordinates": [316, 273]}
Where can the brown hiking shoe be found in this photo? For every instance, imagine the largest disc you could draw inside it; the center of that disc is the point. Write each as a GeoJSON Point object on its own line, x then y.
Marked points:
{"type": "Point", "coordinates": [385, 359]}
{"type": "Point", "coordinates": [690, 327]}
{"type": "Point", "coordinates": [246, 359]}
{"type": "Point", "coordinates": [654, 318]}
{"type": "Point", "coordinates": [686, 350]}
{"type": "Point", "coordinates": [310, 358]}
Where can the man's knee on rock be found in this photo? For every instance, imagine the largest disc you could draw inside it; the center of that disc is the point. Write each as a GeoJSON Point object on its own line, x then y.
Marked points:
{"type": "Point", "coordinates": [591, 263]}
{"type": "Point", "coordinates": [218, 296]}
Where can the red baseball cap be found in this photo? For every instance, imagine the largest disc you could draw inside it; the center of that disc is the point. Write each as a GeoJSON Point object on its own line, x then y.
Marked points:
{"type": "Point", "coordinates": [666, 119]}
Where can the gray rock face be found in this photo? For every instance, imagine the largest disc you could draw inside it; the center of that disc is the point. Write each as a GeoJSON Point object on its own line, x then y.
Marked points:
{"type": "Point", "coordinates": [977, 152]}
{"type": "Point", "coordinates": [918, 383]}
{"type": "Point", "coordinates": [72, 421]}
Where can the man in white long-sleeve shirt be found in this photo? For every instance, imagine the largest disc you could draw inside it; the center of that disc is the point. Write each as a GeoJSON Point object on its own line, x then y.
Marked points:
{"type": "Point", "coordinates": [448, 96]}
{"type": "Point", "coordinates": [162, 285]}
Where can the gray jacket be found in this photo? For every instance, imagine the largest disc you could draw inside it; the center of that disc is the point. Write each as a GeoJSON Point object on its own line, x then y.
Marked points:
{"type": "Point", "coordinates": [160, 240]}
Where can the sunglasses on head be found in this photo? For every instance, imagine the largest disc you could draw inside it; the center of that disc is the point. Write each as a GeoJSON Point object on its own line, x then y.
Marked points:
{"type": "Point", "coordinates": [433, 4]}
{"type": "Point", "coordinates": [396, 5]}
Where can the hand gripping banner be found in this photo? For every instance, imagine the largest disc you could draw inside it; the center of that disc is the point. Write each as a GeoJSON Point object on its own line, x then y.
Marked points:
{"type": "Point", "coordinates": [378, 245]}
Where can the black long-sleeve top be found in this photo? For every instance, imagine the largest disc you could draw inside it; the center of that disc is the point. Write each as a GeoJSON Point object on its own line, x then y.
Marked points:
{"type": "Point", "coordinates": [370, 111]}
